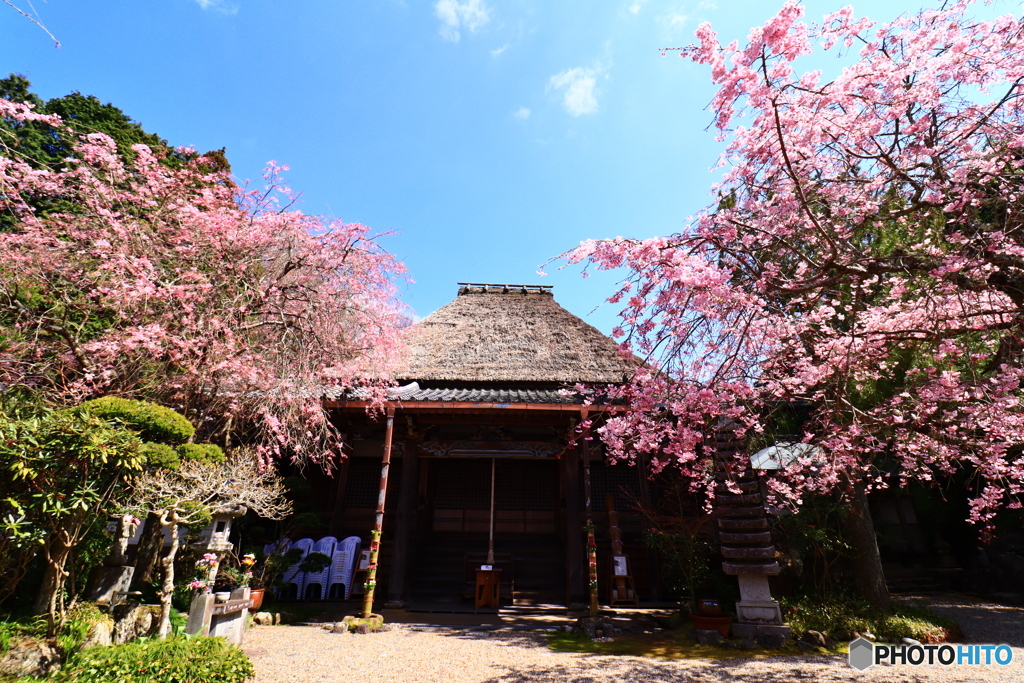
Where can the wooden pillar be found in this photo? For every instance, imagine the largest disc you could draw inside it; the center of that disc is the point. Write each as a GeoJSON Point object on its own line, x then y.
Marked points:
{"type": "Point", "coordinates": [378, 524]}
{"type": "Point", "coordinates": [588, 506]}
{"type": "Point", "coordinates": [643, 470]}
{"type": "Point", "coordinates": [574, 550]}
{"type": "Point", "coordinates": [404, 525]}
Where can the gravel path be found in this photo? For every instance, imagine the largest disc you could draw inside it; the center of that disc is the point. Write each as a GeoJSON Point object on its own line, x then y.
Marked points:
{"type": "Point", "coordinates": [306, 654]}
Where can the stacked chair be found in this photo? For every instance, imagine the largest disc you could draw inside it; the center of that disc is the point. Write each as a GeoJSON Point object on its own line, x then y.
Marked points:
{"type": "Point", "coordinates": [315, 584]}
{"type": "Point", "coordinates": [342, 567]}
{"type": "Point", "coordinates": [294, 579]}
{"type": "Point", "coordinates": [334, 581]}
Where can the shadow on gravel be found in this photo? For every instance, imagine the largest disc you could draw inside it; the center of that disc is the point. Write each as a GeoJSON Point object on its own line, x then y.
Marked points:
{"type": "Point", "coordinates": [509, 637]}
{"type": "Point", "coordinates": [983, 622]}
{"type": "Point", "coordinates": [721, 671]}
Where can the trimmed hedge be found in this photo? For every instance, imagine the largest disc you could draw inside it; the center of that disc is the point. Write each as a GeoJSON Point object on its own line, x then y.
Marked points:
{"type": "Point", "coordinates": [160, 456]}
{"type": "Point", "coordinates": [174, 660]}
{"type": "Point", "coordinates": [153, 422]}
{"type": "Point", "coordinates": [208, 453]}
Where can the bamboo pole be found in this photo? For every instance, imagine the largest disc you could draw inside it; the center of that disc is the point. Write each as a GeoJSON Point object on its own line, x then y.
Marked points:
{"type": "Point", "coordinates": [490, 540]}
{"type": "Point", "coordinates": [375, 533]}
{"type": "Point", "coordinates": [591, 540]}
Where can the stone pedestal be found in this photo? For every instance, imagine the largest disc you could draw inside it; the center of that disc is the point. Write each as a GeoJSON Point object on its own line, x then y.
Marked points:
{"type": "Point", "coordinates": [207, 617]}
{"type": "Point", "coordinates": [109, 585]}
{"type": "Point", "coordinates": [756, 613]}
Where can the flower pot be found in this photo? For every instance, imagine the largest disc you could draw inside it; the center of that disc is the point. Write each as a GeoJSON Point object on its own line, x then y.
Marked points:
{"type": "Point", "coordinates": [720, 624]}
{"type": "Point", "coordinates": [255, 598]}
{"type": "Point", "coordinates": [222, 596]}
{"type": "Point", "coordinates": [709, 607]}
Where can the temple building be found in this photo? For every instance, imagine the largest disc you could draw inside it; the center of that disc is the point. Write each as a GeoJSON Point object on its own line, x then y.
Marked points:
{"type": "Point", "coordinates": [487, 397]}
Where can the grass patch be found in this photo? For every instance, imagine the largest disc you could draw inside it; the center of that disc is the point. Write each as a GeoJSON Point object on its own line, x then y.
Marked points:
{"type": "Point", "coordinates": [850, 614]}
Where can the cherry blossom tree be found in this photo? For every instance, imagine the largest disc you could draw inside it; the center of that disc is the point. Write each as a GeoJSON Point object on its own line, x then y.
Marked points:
{"type": "Point", "coordinates": [175, 285]}
{"type": "Point", "coordinates": [865, 257]}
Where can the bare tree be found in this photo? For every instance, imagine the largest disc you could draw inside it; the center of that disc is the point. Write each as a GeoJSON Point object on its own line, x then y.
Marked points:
{"type": "Point", "coordinates": [189, 495]}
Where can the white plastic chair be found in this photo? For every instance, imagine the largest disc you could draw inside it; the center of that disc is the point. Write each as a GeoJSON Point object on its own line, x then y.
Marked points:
{"type": "Point", "coordinates": [345, 556]}
{"type": "Point", "coordinates": [321, 579]}
{"type": "Point", "coordinates": [294, 577]}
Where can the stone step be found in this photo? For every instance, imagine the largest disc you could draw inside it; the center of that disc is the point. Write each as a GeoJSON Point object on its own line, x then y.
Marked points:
{"type": "Point", "coordinates": [739, 523]}
{"type": "Point", "coordinates": [754, 537]}
{"type": "Point", "coordinates": [734, 568]}
{"type": "Point", "coordinates": [744, 476]}
{"type": "Point", "coordinates": [744, 486]}
{"type": "Point", "coordinates": [722, 500]}
{"type": "Point", "coordinates": [748, 553]}
{"type": "Point", "coordinates": [744, 511]}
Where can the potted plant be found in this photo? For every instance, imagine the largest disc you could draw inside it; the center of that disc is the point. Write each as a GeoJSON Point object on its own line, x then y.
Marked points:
{"type": "Point", "coordinates": [266, 573]}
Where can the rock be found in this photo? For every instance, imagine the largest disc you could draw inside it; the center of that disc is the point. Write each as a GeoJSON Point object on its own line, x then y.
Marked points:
{"type": "Point", "coordinates": [373, 623]}
{"type": "Point", "coordinates": [771, 641]}
{"type": "Point", "coordinates": [30, 658]}
{"type": "Point", "coordinates": [814, 638]}
{"type": "Point", "coordinates": [748, 644]}
{"type": "Point", "coordinates": [804, 645]}
{"type": "Point", "coordinates": [597, 627]}
{"type": "Point", "coordinates": [144, 622]}
{"type": "Point", "coordinates": [126, 618]}
{"type": "Point", "coordinates": [285, 618]}
{"type": "Point", "coordinates": [869, 636]}
{"type": "Point", "coordinates": [911, 641]}
{"type": "Point", "coordinates": [263, 619]}
{"type": "Point", "coordinates": [340, 627]}
{"type": "Point", "coordinates": [101, 634]}
{"type": "Point", "coordinates": [708, 637]}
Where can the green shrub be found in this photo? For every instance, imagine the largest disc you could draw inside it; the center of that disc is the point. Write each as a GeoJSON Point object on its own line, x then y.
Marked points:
{"type": "Point", "coordinates": [207, 453]}
{"type": "Point", "coordinates": [175, 660]}
{"type": "Point", "coordinates": [153, 422]}
{"type": "Point", "coordinates": [160, 456]}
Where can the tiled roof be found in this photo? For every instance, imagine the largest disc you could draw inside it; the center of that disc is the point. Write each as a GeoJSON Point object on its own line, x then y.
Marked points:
{"type": "Point", "coordinates": [413, 392]}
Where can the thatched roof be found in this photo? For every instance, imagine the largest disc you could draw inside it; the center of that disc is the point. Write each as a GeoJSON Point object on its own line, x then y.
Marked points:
{"type": "Point", "coordinates": [510, 333]}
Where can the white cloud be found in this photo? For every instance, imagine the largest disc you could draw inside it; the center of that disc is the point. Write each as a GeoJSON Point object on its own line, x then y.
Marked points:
{"type": "Point", "coordinates": [222, 6]}
{"type": "Point", "coordinates": [469, 15]}
{"type": "Point", "coordinates": [522, 113]}
{"type": "Point", "coordinates": [637, 5]}
{"type": "Point", "coordinates": [497, 52]}
{"type": "Point", "coordinates": [580, 86]}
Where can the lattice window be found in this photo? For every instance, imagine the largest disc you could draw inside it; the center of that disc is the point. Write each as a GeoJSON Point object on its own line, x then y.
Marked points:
{"type": "Point", "coordinates": [622, 481]}
{"type": "Point", "coordinates": [526, 485]}
{"type": "Point", "coordinates": [363, 483]}
{"type": "Point", "coordinates": [462, 484]}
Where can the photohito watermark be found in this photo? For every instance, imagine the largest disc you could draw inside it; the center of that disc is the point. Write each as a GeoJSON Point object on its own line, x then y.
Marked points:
{"type": "Point", "coordinates": [865, 654]}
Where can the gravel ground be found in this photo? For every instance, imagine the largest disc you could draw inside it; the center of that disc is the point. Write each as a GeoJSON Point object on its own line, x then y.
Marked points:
{"type": "Point", "coordinates": [308, 654]}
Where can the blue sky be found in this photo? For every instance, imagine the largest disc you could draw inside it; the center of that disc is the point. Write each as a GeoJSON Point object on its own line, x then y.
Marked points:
{"type": "Point", "coordinates": [487, 135]}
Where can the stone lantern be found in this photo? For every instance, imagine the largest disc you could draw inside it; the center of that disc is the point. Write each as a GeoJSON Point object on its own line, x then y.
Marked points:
{"type": "Point", "coordinates": [214, 537]}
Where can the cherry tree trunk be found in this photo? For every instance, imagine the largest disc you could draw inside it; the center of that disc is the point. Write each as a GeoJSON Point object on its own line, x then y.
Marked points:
{"type": "Point", "coordinates": [167, 590]}
{"type": "Point", "coordinates": [49, 600]}
{"type": "Point", "coordinates": [867, 562]}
